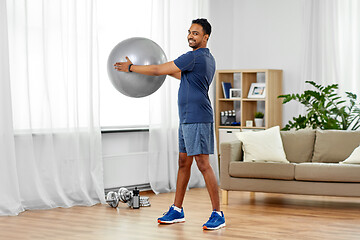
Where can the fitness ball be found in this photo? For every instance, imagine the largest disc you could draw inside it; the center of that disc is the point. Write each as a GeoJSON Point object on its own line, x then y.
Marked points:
{"type": "Point", "coordinates": [140, 51]}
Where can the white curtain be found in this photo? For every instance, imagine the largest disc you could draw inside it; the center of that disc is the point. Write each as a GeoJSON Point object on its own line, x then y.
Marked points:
{"type": "Point", "coordinates": [349, 45]}
{"type": "Point", "coordinates": [332, 52]}
{"type": "Point", "coordinates": [10, 203]}
{"type": "Point", "coordinates": [170, 23]}
{"type": "Point", "coordinates": [53, 139]}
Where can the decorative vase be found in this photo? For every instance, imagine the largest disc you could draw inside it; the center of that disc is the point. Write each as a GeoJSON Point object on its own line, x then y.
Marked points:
{"type": "Point", "coordinates": [259, 122]}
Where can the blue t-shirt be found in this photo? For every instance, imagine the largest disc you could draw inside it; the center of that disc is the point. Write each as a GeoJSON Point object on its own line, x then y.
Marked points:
{"type": "Point", "coordinates": [197, 72]}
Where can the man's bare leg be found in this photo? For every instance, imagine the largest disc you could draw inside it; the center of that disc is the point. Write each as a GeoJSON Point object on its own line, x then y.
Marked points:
{"type": "Point", "coordinates": [183, 177]}
{"type": "Point", "coordinates": [205, 168]}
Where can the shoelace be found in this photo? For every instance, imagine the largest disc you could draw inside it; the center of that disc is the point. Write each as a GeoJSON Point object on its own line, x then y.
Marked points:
{"type": "Point", "coordinates": [212, 216]}
{"type": "Point", "coordinates": [166, 212]}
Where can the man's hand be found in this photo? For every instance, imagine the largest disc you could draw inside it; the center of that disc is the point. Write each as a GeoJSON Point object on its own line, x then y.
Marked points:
{"type": "Point", "coordinates": [123, 66]}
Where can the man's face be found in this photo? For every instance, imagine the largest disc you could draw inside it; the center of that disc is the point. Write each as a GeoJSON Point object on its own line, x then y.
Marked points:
{"type": "Point", "coordinates": [197, 37]}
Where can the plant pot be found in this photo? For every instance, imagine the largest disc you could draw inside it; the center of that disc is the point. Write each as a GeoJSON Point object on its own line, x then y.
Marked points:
{"type": "Point", "coordinates": [259, 122]}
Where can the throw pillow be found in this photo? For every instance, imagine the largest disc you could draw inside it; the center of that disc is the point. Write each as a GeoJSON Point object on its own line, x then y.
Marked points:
{"type": "Point", "coordinates": [263, 146]}
{"type": "Point", "coordinates": [298, 145]}
{"type": "Point", "coordinates": [333, 146]}
{"type": "Point", "coordinates": [354, 157]}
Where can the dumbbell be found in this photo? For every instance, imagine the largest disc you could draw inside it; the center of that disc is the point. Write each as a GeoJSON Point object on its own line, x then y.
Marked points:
{"type": "Point", "coordinates": [126, 196]}
{"type": "Point", "coordinates": [112, 199]}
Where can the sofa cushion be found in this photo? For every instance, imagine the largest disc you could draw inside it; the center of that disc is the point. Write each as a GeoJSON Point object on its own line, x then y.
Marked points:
{"type": "Point", "coordinates": [298, 145]}
{"type": "Point", "coordinates": [354, 157]}
{"type": "Point", "coordinates": [333, 146]}
{"type": "Point", "coordinates": [327, 172]}
{"type": "Point", "coordinates": [262, 146]}
{"type": "Point", "coordinates": [284, 171]}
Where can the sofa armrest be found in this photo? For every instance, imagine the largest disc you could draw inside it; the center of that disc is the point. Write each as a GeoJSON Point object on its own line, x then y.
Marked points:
{"type": "Point", "coordinates": [230, 151]}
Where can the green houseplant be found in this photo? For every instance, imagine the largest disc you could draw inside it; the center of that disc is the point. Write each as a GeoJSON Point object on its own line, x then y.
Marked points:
{"type": "Point", "coordinates": [325, 109]}
{"type": "Point", "coordinates": [259, 121]}
{"type": "Point", "coordinates": [259, 115]}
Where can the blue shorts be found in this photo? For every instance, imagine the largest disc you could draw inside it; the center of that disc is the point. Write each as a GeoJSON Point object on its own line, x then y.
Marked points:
{"type": "Point", "coordinates": [196, 138]}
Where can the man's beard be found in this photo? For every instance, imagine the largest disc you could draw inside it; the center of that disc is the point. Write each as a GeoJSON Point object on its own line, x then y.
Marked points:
{"type": "Point", "coordinates": [193, 46]}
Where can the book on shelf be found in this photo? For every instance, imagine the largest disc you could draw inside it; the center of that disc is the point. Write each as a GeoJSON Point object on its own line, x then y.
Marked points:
{"type": "Point", "coordinates": [226, 89]}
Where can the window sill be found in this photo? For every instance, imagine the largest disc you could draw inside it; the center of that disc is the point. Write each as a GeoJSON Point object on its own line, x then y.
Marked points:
{"type": "Point", "coordinates": [121, 129]}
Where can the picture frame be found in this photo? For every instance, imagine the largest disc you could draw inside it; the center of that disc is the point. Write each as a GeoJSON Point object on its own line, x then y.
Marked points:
{"type": "Point", "coordinates": [249, 123]}
{"type": "Point", "coordinates": [235, 93]}
{"type": "Point", "coordinates": [257, 90]}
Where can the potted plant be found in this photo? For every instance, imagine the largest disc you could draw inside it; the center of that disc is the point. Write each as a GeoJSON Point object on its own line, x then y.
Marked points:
{"type": "Point", "coordinates": [325, 109]}
{"type": "Point", "coordinates": [259, 119]}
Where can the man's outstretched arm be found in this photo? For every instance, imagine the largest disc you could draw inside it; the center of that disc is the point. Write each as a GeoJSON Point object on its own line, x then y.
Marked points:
{"type": "Point", "coordinates": [168, 68]}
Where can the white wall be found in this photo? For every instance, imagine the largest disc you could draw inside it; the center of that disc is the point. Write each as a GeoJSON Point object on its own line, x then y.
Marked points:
{"type": "Point", "coordinates": [246, 34]}
{"type": "Point", "coordinates": [221, 41]}
{"type": "Point", "coordinates": [256, 34]}
{"type": "Point", "coordinates": [125, 158]}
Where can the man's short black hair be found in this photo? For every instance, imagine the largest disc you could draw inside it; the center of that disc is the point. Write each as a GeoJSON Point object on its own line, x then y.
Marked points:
{"type": "Point", "coordinates": [204, 23]}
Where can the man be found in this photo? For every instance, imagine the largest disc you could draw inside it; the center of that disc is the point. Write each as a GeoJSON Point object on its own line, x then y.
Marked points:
{"type": "Point", "coordinates": [195, 69]}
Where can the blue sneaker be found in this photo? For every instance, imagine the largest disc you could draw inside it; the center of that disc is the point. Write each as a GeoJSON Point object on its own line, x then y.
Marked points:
{"type": "Point", "coordinates": [172, 216]}
{"type": "Point", "coordinates": [215, 221]}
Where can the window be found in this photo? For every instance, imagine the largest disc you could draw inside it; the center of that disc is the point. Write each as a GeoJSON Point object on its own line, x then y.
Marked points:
{"type": "Point", "coordinates": [117, 21]}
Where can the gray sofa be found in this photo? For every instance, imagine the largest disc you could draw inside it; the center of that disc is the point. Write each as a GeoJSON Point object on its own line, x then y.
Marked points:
{"type": "Point", "coordinates": [313, 167]}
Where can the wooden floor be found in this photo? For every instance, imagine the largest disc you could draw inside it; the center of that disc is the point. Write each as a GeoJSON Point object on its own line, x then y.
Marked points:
{"type": "Point", "coordinates": [265, 216]}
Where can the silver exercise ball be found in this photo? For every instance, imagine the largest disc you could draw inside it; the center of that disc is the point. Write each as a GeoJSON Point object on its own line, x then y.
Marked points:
{"type": "Point", "coordinates": [140, 51]}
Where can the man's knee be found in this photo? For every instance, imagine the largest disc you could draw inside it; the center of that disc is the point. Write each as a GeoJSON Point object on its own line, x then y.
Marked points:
{"type": "Point", "coordinates": [202, 162]}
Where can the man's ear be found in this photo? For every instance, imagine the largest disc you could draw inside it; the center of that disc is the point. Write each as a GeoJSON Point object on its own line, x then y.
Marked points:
{"type": "Point", "coordinates": [206, 37]}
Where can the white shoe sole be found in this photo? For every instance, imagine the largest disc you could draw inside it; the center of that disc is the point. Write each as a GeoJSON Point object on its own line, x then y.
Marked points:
{"type": "Point", "coordinates": [218, 227]}
{"type": "Point", "coordinates": [173, 221]}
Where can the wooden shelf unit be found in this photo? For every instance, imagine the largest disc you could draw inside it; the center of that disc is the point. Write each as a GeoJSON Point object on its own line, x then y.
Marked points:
{"type": "Point", "coordinates": [271, 106]}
